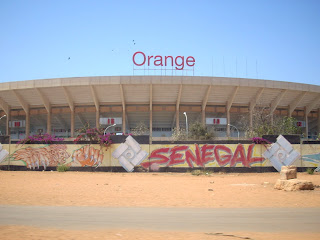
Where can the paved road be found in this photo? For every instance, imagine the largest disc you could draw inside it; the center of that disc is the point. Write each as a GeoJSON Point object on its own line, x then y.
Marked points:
{"type": "Point", "coordinates": [175, 219]}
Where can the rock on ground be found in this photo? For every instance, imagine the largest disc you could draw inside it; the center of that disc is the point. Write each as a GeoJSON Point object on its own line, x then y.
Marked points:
{"type": "Point", "coordinates": [293, 185]}
{"type": "Point", "coordinates": [288, 172]}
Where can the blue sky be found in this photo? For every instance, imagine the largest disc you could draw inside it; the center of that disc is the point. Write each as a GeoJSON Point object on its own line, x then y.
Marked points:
{"type": "Point", "coordinates": [276, 40]}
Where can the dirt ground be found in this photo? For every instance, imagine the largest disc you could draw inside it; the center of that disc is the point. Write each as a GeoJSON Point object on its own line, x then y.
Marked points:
{"type": "Point", "coordinates": [233, 190]}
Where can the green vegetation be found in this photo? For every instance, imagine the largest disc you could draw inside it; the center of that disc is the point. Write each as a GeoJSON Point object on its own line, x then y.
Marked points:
{"type": "Point", "coordinates": [197, 131]}
{"type": "Point", "coordinates": [62, 168]}
{"type": "Point", "coordinates": [140, 129]}
{"type": "Point", "coordinates": [310, 170]}
{"type": "Point", "coordinates": [199, 172]}
{"type": "Point", "coordinates": [261, 124]}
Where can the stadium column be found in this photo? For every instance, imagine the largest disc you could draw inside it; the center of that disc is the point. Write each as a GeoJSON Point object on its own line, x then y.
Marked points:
{"type": "Point", "coordinates": [228, 122]}
{"type": "Point", "coordinates": [97, 105]}
{"type": "Point", "coordinates": [6, 109]}
{"type": "Point", "coordinates": [72, 123]}
{"type": "Point", "coordinates": [178, 108]}
{"type": "Point", "coordinates": [150, 114]}
{"type": "Point", "coordinates": [253, 104]}
{"type": "Point", "coordinates": [27, 123]}
{"type": "Point", "coordinates": [47, 105]}
{"type": "Point", "coordinates": [294, 104]}
{"type": "Point", "coordinates": [49, 122]}
{"type": "Point", "coordinates": [97, 118]}
{"type": "Point", "coordinates": [204, 104]}
{"type": "Point", "coordinates": [71, 105]}
{"type": "Point", "coordinates": [228, 107]}
{"type": "Point", "coordinates": [275, 103]}
{"type": "Point", "coordinates": [7, 123]}
{"type": "Point", "coordinates": [306, 119]}
{"type": "Point", "coordinates": [26, 109]}
{"type": "Point", "coordinates": [123, 109]}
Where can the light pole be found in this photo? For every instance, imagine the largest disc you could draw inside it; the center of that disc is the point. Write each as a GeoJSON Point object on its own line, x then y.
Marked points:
{"type": "Point", "coordinates": [236, 129]}
{"type": "Point", "coordinates": [104, 133]}
{"type": "Point", "coordinates": [185, 114]}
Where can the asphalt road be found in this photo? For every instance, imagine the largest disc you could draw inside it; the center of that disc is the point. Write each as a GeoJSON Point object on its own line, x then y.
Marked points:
{"type": "Point", "coordinates": [165, 219]}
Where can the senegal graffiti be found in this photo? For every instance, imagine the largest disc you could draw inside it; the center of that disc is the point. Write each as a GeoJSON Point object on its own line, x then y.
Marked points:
{"type": "Point", "coordinates": [203, 155]}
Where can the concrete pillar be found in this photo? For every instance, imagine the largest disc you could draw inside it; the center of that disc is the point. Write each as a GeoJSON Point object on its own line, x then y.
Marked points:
{"type": "Point", "coordinates": [124, 120]}
{"type": "Point", "coordinates": [27, 123]}
{"type": "Point", "coordinates": [98, 119]}
{"type": "Point", "coordinates": [177, 120]}
{"type": "Point", "coordinates": [72, 123]}
{"type": "Point", "coordinates": [150, 124]}
{"type": "Point", "coordinates": [7, 124]}
{"type": "Point", "coordinates": [306, 119]}
{"type": "Point", "coordinates": [228, 122]}
{"type": "Point", "coordinates": [203, 117]}
{"type": "Point", "coordinates": [49, 122]}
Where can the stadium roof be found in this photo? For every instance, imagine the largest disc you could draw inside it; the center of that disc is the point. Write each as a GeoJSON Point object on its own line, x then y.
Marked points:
{"type": "Point", "coordinates": [127, 90]}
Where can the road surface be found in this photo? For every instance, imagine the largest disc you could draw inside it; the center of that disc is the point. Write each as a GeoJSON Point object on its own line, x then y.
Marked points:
{"type": "Point", "coordinates": [165, 219]}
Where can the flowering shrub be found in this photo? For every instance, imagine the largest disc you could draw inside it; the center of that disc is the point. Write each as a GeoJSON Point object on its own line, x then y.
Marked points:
{"type": "Point", "coordinates": [93, 135]}
{"type": "Point", "coordinates": [40, 138]}
{"type": "Point", "coordinates": [259, 140]}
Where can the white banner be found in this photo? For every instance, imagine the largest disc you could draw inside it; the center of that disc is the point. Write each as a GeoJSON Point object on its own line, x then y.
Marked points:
{"type": "Point", "coordinates": [14, 124]}
{"type": "Point", "coordinates": [110, 121]}
{"type": "Point", "coordinates": [216, 121]}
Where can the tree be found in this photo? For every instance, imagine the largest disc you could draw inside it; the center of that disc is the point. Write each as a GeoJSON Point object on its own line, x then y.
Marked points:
{"type": "Point", "coordinates": [261, 124]}
{"type": "Point", "coordinates": [197, 131]}
{"type": "Point", "coordinates": [140, 129]}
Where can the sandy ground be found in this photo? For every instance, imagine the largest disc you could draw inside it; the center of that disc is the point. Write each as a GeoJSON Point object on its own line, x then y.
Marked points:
{"type": "Point", "coordinates": [149, 190]}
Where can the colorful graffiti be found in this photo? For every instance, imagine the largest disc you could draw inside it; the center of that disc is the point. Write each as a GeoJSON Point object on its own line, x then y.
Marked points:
{"type": "Point", "coordinates": [50, 155]}
{"type": "Point", "coordinates": [313, 158]}
{"type": "Point", "coordinates": [222, 154]}
{"type": "Point", "coordinates": [88, 156]}
{"type": "Point", "coordinates": [151, 157]}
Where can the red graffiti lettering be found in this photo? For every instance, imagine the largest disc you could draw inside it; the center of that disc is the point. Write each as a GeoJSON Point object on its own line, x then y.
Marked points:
{"type": "Point", "coordinates": [239, 156]}
{"type": "Point", "coordinates": [203, 155]}
{"type": "Point", "coordinates": [196, 159]}
{"type": "Point", "coordinates": [156, 154]}
{"type": "Point", "coordinates": [206, 154]}
{"type": "Point", "coordinates": [250, 159]}
{"type": "Point", "coordinates": [222, 159]}
{"type": "Point", "coordinates": [175, 158]}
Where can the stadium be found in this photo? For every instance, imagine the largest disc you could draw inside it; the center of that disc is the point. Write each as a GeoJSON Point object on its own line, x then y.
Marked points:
{"type": "Point", "coordinates": [62, 105]}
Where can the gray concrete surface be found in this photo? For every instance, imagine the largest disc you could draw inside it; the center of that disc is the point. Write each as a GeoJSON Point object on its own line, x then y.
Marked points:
{"type": "Point", "coordinates": [175, 219]}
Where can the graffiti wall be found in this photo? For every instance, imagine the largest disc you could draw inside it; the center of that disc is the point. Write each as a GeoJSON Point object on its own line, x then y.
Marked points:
{"type": "Point", "coordinates": [206, 155]}
{"type": "Point", "coordinates": [130, 154]}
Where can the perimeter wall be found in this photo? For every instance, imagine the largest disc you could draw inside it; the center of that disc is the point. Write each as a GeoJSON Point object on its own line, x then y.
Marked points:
{"type": "Point", "coordinates": [159, 156]}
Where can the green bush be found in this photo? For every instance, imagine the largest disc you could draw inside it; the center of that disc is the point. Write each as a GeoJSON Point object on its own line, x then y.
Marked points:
{"type": "Point", "coordinates": [199, 172]}
{"type": "Point", "coordinates": [63, 168]}
{"type": "Point", "coordinates": [198, 131]}
{"type": "Point", "coordinates": [310, 170]}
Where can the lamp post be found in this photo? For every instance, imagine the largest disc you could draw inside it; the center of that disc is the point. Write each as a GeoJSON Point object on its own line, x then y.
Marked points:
{"type": "Point", "coordinates": [185, 114]}
{"type": "Point", "coordinates": [104, 132]}
{"type": "Point", "coordinates": [236, 129]}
